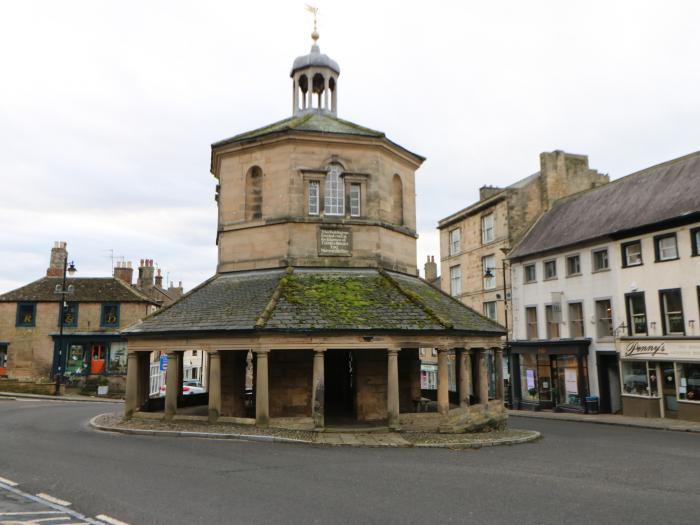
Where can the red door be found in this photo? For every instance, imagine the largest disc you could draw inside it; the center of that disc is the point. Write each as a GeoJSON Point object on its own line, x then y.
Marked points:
{"type": "Point", "coordinates": [97, 359]}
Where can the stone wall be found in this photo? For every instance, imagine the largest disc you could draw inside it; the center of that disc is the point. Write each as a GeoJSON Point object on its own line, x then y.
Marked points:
{"type": "Point", "coordinates": [371, 371]}
{"type": "Point", "coordinates": [290, 377]}
{"type": "Point", "coordinates": [233, 369]}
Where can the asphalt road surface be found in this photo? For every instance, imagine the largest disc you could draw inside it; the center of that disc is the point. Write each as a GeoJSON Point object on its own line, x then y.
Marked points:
{"type": "Point", "coordinates": [578, 473]}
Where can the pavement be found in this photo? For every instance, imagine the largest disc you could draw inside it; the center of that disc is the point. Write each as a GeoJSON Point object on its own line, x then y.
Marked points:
{"type": "Point", "coordinates": [579, 472]}
{"type": "Point", "coordinates": [611, 419]}
{"type": "Point", "coordinates": [89, 399]}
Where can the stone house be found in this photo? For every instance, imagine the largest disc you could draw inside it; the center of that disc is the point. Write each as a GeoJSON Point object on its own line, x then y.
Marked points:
{"type": "Point", "coordinates": [96, 309]}
{"type": "Point", "coordinates": [316, 276]}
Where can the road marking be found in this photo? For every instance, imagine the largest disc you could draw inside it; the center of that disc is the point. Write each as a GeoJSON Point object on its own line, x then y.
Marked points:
{"type": "Point", "coordinates": [8, 482]}
{"type": "Point", "coordinates": [51, 499]}
{"type": "Point", "coordinates": [111, 521]}
{"type": "Point", "coordinates": [42, 512]}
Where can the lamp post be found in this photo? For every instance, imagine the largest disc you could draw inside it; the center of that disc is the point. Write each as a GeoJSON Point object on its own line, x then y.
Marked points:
{"type": "Point", "coordinates": [62, 305]}
{"type": "Point", "coordinates": [506, 347]}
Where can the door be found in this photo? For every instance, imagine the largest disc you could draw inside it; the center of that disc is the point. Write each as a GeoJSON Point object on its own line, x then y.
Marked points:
{"type": "Point", "coordinates": [97, 359]}
{"type": "Point", "coordinates": [609, 383]}
{"type": "Point", "coordinates": [668, 389]}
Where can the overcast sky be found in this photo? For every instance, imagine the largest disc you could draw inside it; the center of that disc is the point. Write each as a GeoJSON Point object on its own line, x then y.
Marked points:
{"type": "Point", "coordinates": [108, 109]}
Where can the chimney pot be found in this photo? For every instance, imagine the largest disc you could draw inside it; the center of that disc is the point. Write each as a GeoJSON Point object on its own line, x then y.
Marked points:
{"type": "Point", "coordinates": [59, 255]}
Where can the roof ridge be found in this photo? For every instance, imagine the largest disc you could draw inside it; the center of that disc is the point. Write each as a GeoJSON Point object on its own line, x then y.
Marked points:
{"type": "Point", "coordinates": [134, 290]}
{"type": "Point", "coordinates": [415, 299]}
{"type": "Point", "coordinates": [265, 315]}
{"type": "Point", "coordinates": [23, 286]}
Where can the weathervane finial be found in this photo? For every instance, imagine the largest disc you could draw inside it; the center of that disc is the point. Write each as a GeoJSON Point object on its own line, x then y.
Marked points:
{"type": "Point", "coordinates": [314, 11]}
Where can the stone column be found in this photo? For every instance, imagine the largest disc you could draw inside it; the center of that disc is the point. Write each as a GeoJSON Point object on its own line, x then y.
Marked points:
{"type": "Point", "coordinates": [262, 399]}
{"type": "Point", "coordinates": [443, 393]}
{"type": "Point", "coordinates": [483, 376]}
{"type": "Point", "coordinates": [415, 378]}
{"type": "Point", "coordinates": [392, 396]}
{"type": "Point", "coordinates": [498, 366]}
{"type": "Point", "coordinates": [172, 389]}
{"type": "Point", "coordinates": [334, 98]}
{"type": "Point", "coordinates": [132, 385]}
{"type": "Point", "coordinates": [318, 392]}
{"type": "Point", "coordinates": [465, 376]}
{"type": "Point", "coordinates": [214, 386]}
{"type": "Point", "coordinates": [325, 93]}
{"type": "Point", "coordinates": [295, 96]}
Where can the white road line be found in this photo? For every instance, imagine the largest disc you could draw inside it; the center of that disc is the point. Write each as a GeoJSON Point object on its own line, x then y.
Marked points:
{"type": "Point", "coordinates": [8, 482]}
{"type": "Point", "coordinates": [36, 512]}
{"type": "Point", "coordinates": [57, 501]}
{"type": "Point", "coordinates": [111, 521]}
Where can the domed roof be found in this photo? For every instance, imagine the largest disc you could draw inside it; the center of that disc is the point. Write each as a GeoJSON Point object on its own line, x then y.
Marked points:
{"type": "Point", "coordinates": [315, 58]}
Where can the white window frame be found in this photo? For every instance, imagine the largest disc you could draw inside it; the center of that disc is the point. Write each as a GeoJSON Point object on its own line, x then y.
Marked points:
{"type": "Point", "coordinates": [581, 321]}
{"type": "Point", "coordinates": [334, 192]}
{"type": "Point", "coordinates": [660, 249]}
{"type": "Point", "coordinates": [527, 267]}
{"type": "Point", "coordinates": [487, 228]}
{"type": "Point", "coordinates": [607, 260]}
{"type": "Point", "coordinates": [314, 197]}
{"type": "Point", "coordinates": [489, 282]}
{"type": "Point", "coordinates": [599, 319]}
{"type": "Point", "coordinates": [490, 307]}
{"type": "Point", "coordinates": [544, 269]}
{"type": "Point", "coordinates": [570, 258]}
{"type": "Point", "coordinates": [666, 314]}
{"type": "Point", "coordinates": [455, 240]}
{"type": "Point", "coordinates": [456, 281]}
{"type": "Point", "coordinates": [625, 255]}
{"type": "Point", "coordinates": [355, 199]}
{"type": "Point", "coordinates": [551, 320]}
{"type": "Point", "coordinates": [528, 324]}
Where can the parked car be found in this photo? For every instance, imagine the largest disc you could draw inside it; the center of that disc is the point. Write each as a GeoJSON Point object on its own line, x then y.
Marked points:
{"type": "Point", "coordinates": [187, 389]}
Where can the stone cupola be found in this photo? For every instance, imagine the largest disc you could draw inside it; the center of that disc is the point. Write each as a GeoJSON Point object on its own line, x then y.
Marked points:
{"type": "Point", "coordinates": [315, 81]}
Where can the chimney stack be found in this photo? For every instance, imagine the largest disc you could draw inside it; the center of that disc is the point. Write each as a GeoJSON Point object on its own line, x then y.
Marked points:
{"type": "Point", "coordinates": [146, 274]}
{"type": "Point", "coordinates": [59, 254]}
{"type": "Point", "coordinates": [124, 271]}
{"type": "Point", "coordinates": [159, 279]}
{"type": "Point", "coordinates": [176, 291]}
{"type": "Point", "coordinates": [430, 269]}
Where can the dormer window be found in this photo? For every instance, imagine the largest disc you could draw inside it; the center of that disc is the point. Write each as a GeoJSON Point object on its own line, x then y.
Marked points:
{"type": "Point", "coordinates": [334, 202]}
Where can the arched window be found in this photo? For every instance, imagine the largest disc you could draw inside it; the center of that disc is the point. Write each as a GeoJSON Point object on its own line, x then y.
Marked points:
{"type": "Point", "coordinates": [335, 191]}
{"type": "Point", "coordinates": [253, 194]}
{"type": "Point", "coordinates": [397, 200]}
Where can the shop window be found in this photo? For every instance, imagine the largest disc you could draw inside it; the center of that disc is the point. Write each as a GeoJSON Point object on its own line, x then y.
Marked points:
{"type": "Point", "coordinates": [76, 363]}
{"type": "Point", "coordinates": [600, 260]}
{"type": "Point", "coordinates": [631, 254]}
{"type": "Point", "coordinates": [695, 241]}
{"type": "Point", "coordinates": [639, 378]}
{"type": "Point", "coordinates": [70, 315]}
{"type": "Point", "coordinates": [552, 314]}
{"type": "Point", "coordinates": [334, 198]}
{"type": "Point", "coordinates": [314, 197]}
{"type": "Point", "coordinates": [117, 358]}
{"type": "Point", "coordinates": [530, 273]}
{"type": "Point", "coordinates": [488, 268]}
{"type": "Point", "coordinates": [487, 231]}
{"type": "Point", "coordinates": [672, 312]}
{"type": "Point", "coordinates": [455, 281]}
{"type": "Point", "coordinates": [550, 269]}
{"type": "Point", "coordinates": [531, 320]}
{"type": "Point", "coordinates": [604, 319]}
{"type": "Point", "coordinates": [573, 265]}
{"type": "Point", "coordinates": [26, 314]}
{"type": "Point", "coordinates": [666, 247]}
{"type": "Point", "coordinates": [355, 193]}
{"type": "Point", "coordinates": [636, 314]}
{"type": "Point", "coordinates": [528, 377]}
{"type": "Point", "coordinates": [689, 381]}
{"type": "Point", "coordinates": [576, 320]}
{"type": "Point", "coordinates": [455, 239]}
{"type": "Point", "coordinates": [109, 316]}
{"type": "Point", "coordinates": [567, 386]}
{"type": "Point", "coordinates": [3, 359]}
{"type": "Point", "coordinates": [490, 310]}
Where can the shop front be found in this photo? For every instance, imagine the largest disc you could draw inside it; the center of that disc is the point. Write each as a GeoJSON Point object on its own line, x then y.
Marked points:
{"type": "Point", "coordinates": [660, 377]}
{"type": "Point", "coordinates": [550, 375]}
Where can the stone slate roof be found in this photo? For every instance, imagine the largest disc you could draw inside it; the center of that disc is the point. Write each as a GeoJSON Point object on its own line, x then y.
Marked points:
{"type": "Point", "coordinates": [309, 299]}
{"type": "Point", "coordinates": [645, 198]}
{"type": "Point", "coordinates": [86, 290]}
{"type": "Point", "coordinates": [314, 58]}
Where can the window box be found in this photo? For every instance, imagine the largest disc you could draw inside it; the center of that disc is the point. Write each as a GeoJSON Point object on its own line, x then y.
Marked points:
{"type": "Point", "coordinates": [631, 254]}
{"type": "Point", "coordinates": [666, 247]}
{"type": "Point", "coordinates": [26, 314]}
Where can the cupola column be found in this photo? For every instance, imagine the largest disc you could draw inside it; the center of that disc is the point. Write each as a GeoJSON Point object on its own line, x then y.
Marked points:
{"type": "Point", "coordinates": [295, 95]}
{"type": "Point", "coordinates": [325, 93]}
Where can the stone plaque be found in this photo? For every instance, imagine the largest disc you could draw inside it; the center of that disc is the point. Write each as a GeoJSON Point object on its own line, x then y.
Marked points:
{"type": "Point", "coordinates": [334, 242]}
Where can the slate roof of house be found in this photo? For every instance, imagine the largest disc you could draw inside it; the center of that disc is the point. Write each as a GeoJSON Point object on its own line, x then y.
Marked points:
{"type": "Point", "coordinates": [311, 122]}
{"type": "Point", "coordinates": [648, 197]}
{"type": "Point", "coordinates": [86, 289]}
{"type": "Point", "coordinates": [308, 299]}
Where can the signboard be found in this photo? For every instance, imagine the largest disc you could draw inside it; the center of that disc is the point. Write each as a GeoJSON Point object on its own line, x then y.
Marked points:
{"type": "Point", "coordinates": [163, 363]}
{"type": "Point", "coordinates": [571, 380]}
{"type": "Point", "coordinates": [530, 379]}
{"type": "Point", "coordinates": [659, 350]}
{"type": "Point", "coordinates": [334, 242]}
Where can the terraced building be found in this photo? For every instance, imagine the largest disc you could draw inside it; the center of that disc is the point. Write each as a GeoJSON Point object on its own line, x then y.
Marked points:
{"type": "Point", "coordinates": [317, 277]}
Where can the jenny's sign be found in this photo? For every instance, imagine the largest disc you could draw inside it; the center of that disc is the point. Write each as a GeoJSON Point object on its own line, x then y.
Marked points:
{"type": "Point", "coordinates": [660, 350]}
{"type": "Point", "coordinates": [334, 242]}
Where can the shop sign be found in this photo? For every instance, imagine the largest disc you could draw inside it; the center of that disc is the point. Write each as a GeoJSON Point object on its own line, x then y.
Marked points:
{"type": "Point", "coordinates": [660, 350]}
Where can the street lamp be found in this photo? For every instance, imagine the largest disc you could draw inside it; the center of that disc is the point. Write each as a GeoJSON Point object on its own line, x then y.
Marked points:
{"type": "Point", "coordinates": [68, 268]}
{"type": "Point", "coordinates": [489, 274]}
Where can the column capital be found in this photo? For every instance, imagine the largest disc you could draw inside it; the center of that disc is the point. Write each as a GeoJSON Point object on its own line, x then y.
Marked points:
{"type": "Point", "coordinates": [443, 349]}
{"type": "Point", "coordinates": [261, 351]}
{"type": "Point", "coordinates": [393, 350]}
{"type": "Point", "coordinates": [214, 353]}
{"type": "Point", "coordinates": [171, 353]}
{"type": "Point", "coordinates": [319, 350]}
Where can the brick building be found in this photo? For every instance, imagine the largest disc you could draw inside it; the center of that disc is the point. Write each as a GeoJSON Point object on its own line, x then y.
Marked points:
{"type": "Point", "coordinates": [316, 275]}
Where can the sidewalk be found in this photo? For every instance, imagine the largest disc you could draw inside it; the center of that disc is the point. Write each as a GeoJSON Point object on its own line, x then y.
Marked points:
{"type": "Point", "coordinates": [611, 419]}
{"type": "Point", "coordinates": [87, 399]}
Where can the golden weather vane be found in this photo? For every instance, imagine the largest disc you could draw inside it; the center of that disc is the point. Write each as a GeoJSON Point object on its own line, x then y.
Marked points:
{"type": "Point", "coordinates": [314, 11]}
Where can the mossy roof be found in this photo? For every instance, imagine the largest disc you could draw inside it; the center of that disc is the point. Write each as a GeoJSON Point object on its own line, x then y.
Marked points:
{"type": "Point", "coordinates": [85, 290]}
{"type": "Point", "coordinates": [311, 299]}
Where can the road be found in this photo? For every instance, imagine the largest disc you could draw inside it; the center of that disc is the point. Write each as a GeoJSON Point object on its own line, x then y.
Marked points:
{"type": "Point", "coordinates": [578, 473]}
